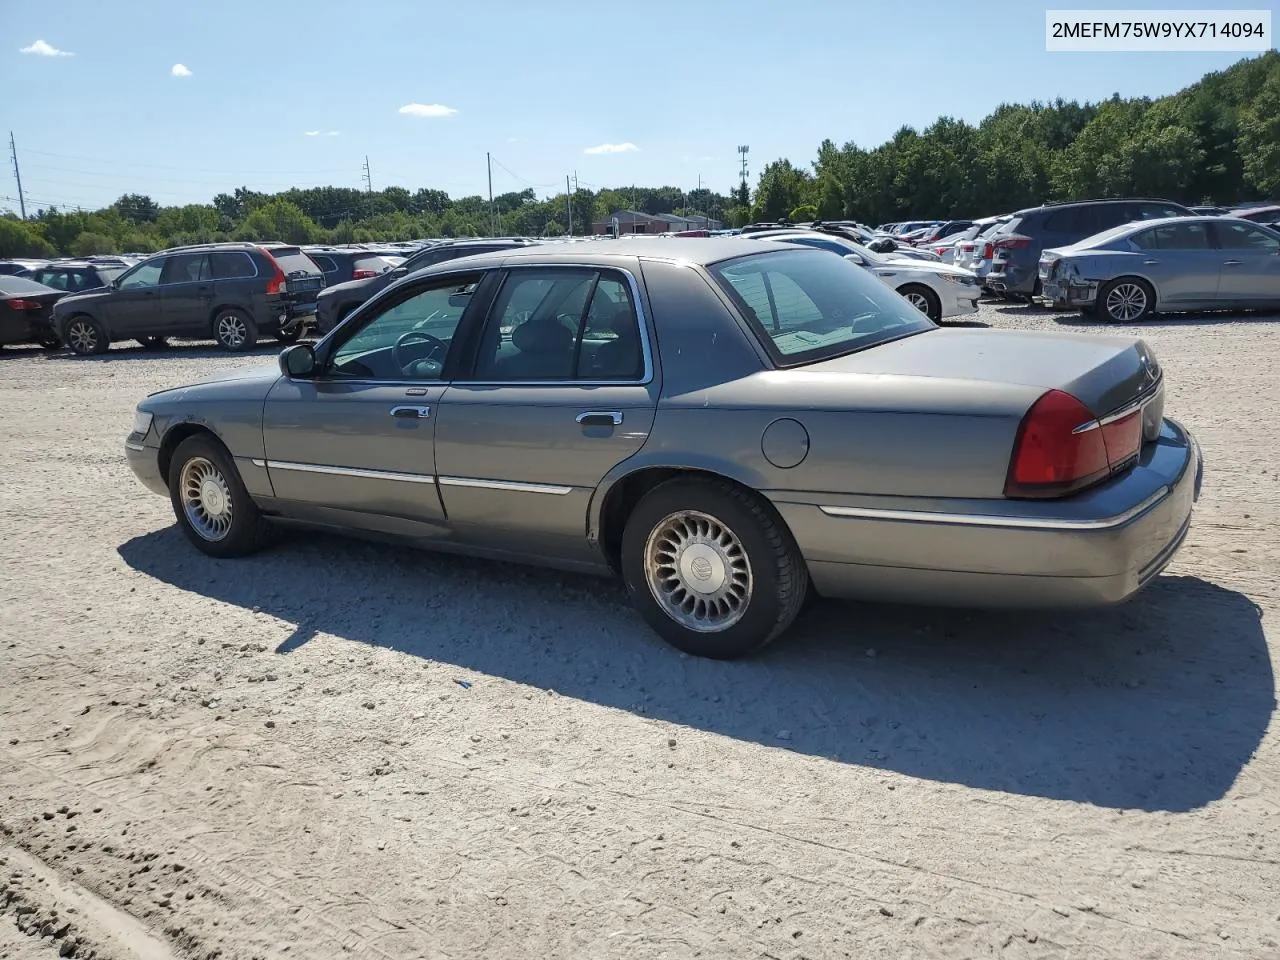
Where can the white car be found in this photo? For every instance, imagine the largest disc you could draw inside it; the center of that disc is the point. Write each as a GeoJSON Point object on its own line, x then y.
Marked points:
{"type": "Point", "coordinates": [938, 290]}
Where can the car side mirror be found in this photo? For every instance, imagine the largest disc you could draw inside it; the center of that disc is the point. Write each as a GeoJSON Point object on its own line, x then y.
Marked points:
{"type": "Point", "coordinates": [298, 361]}
{"type": "Point", "coordinates": [399, 271]}
{"type": "Point", "coordinates": [855, 259]}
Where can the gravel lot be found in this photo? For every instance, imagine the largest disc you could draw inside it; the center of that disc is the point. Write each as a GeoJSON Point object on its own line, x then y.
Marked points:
{"type": "Point", "coordinates": [340, 749]}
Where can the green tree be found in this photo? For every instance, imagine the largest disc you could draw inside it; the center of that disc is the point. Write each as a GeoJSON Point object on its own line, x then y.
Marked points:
{"type": "Point", "coordinates": [279, 220]}
{"type": "Point", "coordinates": [137, 208]}
{"type": "Point", "coordinates": [88, 244]}
{"type": "Point", "coordinates": [1260, 138]}
{"type": "Point", "coordinates": [20, 238]}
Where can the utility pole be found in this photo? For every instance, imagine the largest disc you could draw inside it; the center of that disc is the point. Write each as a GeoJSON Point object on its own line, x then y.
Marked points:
{"type": "Point", "coordinates": [568, 203]}
{"type": "Point", "coordinates": [743, 149]}
{"type": "Point", "coordinates": [17, 175]}
{"type": "Point", "coordinates": [493, 217]}
{"type": "Point", "coordinates": [368, 177]}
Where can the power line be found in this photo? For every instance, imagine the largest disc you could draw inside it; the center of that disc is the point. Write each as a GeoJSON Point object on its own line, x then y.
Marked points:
{"type": "Point", "coordinates": [516, 176]}
{"type": "Point", "coordinates": [166, 166]}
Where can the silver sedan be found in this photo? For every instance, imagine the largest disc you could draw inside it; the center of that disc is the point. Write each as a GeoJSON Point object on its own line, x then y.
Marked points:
{"type": "Point", "coordinates": [1181, 263]}
{"type": "Point", "coordinates": [729, 425]}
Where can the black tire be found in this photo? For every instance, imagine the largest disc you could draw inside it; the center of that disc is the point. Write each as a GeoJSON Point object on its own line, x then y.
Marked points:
{"type": "Point", "coordinates": [778, 578]}
{"type": "Point", "coordinates": [923, 299]}
{"type": "Point", "coordinates": [247, 530]}
{"type": "Point", "coordinates": [1126, 289]}
{"type": "Point", "coordinates": [153, 343]}
{"type": "Point", "coordinates": [235, 330]}
{"type": "Point", "coordinates": [86, 336]}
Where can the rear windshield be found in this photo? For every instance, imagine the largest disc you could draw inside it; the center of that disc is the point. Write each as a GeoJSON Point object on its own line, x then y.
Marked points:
{"type": "Point", "coordinates": [380, 264]}
{"type": "Point", "coordinates": [807, 306]}
{"type": "Point", "coordinates": [292, 260]}
{"type": "Point", "coordinates": [10, 285]}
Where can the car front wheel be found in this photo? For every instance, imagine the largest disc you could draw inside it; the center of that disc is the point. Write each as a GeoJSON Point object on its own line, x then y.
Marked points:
{"type": "Point", "coordinates": [711, 568]}
{"type": "Point", "coordinates": [923, 299]}
{"type": "Point", "coordinates": [235, 330]}
{"type": "Point", "coordinates": [86, 336]}
{"type": "Point", "coordinates": [211, 503]}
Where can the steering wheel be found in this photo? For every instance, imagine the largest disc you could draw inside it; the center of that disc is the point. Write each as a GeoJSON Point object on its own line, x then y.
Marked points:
{"type": "Point", "coordinates": [414, 336]}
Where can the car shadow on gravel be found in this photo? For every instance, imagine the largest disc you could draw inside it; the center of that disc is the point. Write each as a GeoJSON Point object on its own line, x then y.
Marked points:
{"type": "Point", "coordinates": [1162, 320]}
{"type": "Point", "coordinates": [1155, 705]}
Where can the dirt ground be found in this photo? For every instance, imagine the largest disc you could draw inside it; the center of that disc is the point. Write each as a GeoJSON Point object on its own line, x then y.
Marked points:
{"type": "Point", "coordinates": [340, 749]}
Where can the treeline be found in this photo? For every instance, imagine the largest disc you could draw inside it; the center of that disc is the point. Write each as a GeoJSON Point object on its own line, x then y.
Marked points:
{"type": "Point", "coordinates": [1217, 141]}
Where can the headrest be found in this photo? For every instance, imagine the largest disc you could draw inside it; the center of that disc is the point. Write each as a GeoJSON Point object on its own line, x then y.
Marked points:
{"type": "Point", "coordinates": [545, 335]}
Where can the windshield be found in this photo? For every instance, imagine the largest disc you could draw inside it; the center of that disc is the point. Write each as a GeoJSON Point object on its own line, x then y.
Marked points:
{"type": "Point", "coordinates": [807, 307]}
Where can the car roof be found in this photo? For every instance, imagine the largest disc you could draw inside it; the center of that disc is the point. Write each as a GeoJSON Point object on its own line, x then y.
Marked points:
{"type": "Point", "coordinates": [1086, 203]}
{"type": "Point", "coordinates": [697, 250]}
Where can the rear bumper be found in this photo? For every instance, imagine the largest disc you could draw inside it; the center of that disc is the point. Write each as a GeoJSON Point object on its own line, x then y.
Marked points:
{"type": "Point", "coordinates": [1095, 549]}
{"type": "Point", "coordinates": [960, 301]}
{"type": "Point", "coordinates": [1081, 293]}
{"type": "Point", "coordinates": [1011, 277]}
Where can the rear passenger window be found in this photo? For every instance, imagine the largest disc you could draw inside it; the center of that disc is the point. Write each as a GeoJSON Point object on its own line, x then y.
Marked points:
{"type": "Point", "coordinates": [231, 265]}
{"type": "Point", "coordinates": [324, 263]}
{"type": "Point", "coordinates": [186, 268]}
{"type": "Point", "coordinates": [52, 278]}
{"type": "Point", "coordinates": [610, 345]}
{"type": "Point", "coordinates": [1174, 236]}
{"type": "Point", "coordinates": [1157, 211]}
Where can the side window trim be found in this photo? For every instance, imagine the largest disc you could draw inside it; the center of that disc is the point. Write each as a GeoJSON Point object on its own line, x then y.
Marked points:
{"type": "Point", "coordinates": [601, 270]}
{"type": "Point", "coordinates": [380, 302]}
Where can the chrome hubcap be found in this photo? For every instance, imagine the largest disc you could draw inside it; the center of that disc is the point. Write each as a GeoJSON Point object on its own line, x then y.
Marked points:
{"type": "Point", "coordinates": [82, 337]}
{"type": "Point", "coordinates": [1126, 302]}
{"type": "Point", "coordinates": [232, 331]}
{"type": "Point", "coordinates": [698, 571]}
{"type": "Point", "coordinates": [919, 301]}
{"type": "Point", "coordinates": [206, 499]}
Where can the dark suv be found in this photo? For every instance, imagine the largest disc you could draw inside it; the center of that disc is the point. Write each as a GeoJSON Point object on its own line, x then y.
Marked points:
{"type": "Point", "coordinates": [336, 302]}
{"type": "Point", "coordinates": [1018, 244]}
{"type": "Point", "coordinates": [341, 264]}
{"type": "Point", "coordinates": [76, 276]}
{"type": "Point", "coordinates": [232, 292]}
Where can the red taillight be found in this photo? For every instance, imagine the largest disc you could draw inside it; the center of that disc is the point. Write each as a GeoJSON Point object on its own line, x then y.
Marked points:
{"type": "Point", "coordinates": [1013, 243]}
{"type": "Point", "coordinates": [23, 304]}
{"type": "Point", "coordinates": [363, 274]}
{"type": "Point", "coordinates": [278, 281]}
{"type": "Point", "coordinates": [1060, 448]}
{"type": "Point", "coordinates": [1123, 439]}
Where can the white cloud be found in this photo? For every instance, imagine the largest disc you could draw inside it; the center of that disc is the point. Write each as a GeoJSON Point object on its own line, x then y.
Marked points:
{"type": "Point", "coordinates": [312, 133]}
{"type": "Point", "coordinates": [512, 140]}
{"type": "Point", "coordinates": [180, 70]}
{"type": "Point", "coordinates": [627, 147]}
{"type": "Point", "coordinates": [42, 49]}
{"type": "Point", "coordinates": [332, 133]}
{"type": "Point", "coordinates": [427, 110]}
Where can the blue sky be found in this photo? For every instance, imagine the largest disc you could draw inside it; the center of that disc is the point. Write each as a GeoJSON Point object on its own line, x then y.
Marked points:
{"type": "Point", "coordinates": [673, 87]}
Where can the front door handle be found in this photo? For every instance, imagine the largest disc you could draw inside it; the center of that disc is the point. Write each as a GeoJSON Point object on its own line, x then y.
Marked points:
{"type": "Point", "coordinates": [1232, 263]}
{"type": "Point", "coordinates": [411, 412]}
{"type": "Point", "coordinates": [1150, 262]}
{"type": "Point", "coordinates": [599, 418]}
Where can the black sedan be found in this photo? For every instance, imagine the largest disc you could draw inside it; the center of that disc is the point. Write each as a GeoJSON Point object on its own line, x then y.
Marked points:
{"type": "Point", "coordinates": [26, 312]}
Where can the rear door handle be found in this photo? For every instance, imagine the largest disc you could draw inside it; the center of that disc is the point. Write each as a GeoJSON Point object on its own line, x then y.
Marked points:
{"type": "Point", "coordinates": [599, 418]}
{"type": "Point", "coordinates": [420, 413]}
{"type": "Point", "coordinates": [1150, 262]}
{"type": "Point", "coordinates": [1232, 263]}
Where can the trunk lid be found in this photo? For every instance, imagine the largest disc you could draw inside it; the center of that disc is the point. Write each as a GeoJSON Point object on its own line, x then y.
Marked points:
{"type": "Point", "coordinates": [1107, 374]}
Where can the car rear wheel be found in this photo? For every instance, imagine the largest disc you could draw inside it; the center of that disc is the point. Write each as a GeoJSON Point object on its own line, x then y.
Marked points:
{"type": "Point", "coordinates": [1126, 300]}
{"type": "Point", "coordinates": [711, 568]}
{"type": "Point", "coordinates": [923, 299]}
{"type": "Point", "coordinates": [235, 330]}
{"type": "Point", "coordinates": [211, 503]}
{"type": "Point", "coordinates": [86, 336]}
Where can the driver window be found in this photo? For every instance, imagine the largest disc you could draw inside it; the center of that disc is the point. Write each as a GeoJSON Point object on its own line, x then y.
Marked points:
{"type": "Point", "coordinates": [144, 275]}
{"type": "Point", "coordinates": [407, 339]}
